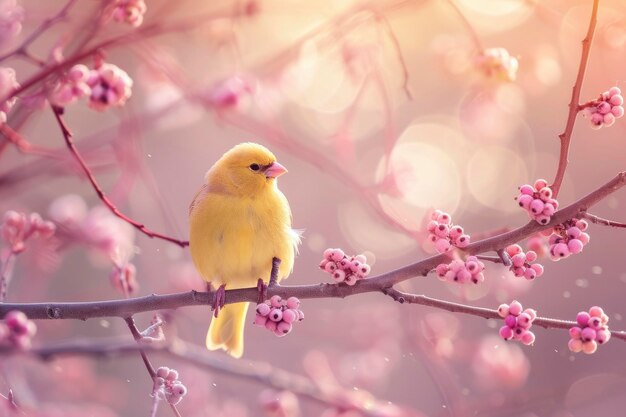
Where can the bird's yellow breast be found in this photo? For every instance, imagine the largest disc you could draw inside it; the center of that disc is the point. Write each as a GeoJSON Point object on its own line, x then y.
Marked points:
{"type": "Point", "coordinates": [233, 239]}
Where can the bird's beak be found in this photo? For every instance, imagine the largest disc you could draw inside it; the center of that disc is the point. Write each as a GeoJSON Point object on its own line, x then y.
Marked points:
{"type": "Point", "coordinates": [275, 170]}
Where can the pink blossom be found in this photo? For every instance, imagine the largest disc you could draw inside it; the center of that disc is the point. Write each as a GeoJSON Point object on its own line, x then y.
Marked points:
{"type": "Point", "coordinates": [8, 84]}
{"type": "Point", "coordinates": [11, 18]}
{"type": "Point", "coordinates": [496, 63]}
{"type": "Point", "coordinates": [129, 11]}
{"type": "Point", "coordinates": [110, 87]}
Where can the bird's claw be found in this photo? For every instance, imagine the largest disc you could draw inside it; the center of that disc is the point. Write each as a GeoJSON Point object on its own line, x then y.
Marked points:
{"type": "Point", "coordinates": [262, 288]}
{"type": "Point", "coordinates": [219, 299]}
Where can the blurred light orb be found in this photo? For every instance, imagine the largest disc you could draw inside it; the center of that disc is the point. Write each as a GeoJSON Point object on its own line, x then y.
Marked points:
{"type": "Point", "coordinates": [363, 231]}
{"type": "Point", "coordinates": [496, 15]}
{"type": "Point", "coordinates": [500, 365]}
{"type": "Point", "coordinates": [493, 175]}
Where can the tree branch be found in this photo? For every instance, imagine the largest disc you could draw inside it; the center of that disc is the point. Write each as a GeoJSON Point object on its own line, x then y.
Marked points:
{"type": "Point", "coordinates": [257, 372]}
{"type": "Point", "coordinates": [67, 135]}
{"type": "Point", "coordinates": [574, 104]}
{"type": "Point", "coordinates": [605, 222]}
{"type": "Point", "coordinates": [379, 283]}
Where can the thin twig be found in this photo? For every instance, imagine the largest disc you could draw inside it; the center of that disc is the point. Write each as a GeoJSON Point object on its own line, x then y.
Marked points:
{"type": "Point", "coordinates": [468, 26]}
{"type": "Point", "coordinates": [574, 104]}
{"type": "Point", "coordinates": [67, 134]}
{"type": "Point", "coordinates": [487, 313]}
{"type": "Point", "coordinates": [137, 336]}
{"type": "Point", "coordinates": [599, 220]}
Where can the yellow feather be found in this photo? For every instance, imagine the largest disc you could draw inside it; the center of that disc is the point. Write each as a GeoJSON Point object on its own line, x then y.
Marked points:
{"type": "Point", "coordinates": [239, 221]}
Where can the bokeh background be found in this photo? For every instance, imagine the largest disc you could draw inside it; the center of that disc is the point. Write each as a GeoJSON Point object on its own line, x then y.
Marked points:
{"type": "Point", "coordinates": [321, 84]}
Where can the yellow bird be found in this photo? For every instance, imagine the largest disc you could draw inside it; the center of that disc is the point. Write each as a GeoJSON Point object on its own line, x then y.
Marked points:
{"type": "Point", "coordinates": [239, 221]}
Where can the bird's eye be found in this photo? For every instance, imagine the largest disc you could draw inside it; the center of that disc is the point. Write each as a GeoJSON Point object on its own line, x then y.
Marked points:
{"type": "Point", "coordinates": [255, 167]}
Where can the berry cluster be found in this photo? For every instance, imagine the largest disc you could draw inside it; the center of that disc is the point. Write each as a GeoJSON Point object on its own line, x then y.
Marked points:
{"type": "Point", "coordinates": [568, 238]}
{"type": "Point", "coordinates": [278, 315]}
{"type": "Point", "coordinates": [17, 330]}
{"type": "Point", "coordinates": [462, 272]}
{"type": "Point", "coordinates": [517, 322]}
{"type": "Point", "coordinates": [604, 110]}
{"type": "Point", "coordinates": [538, 201]}
{"type": "Point", "coordinates": [16, 228]}
{"type": "Point", "coordinates": [8, 84]}
{"type": "Point", "coordinates": [592, 330]}
{"type": "Point", "coordinates": [521, 263]}
{"type": "Point", "coordinates": [498, 64]}
{"type": "Point", "coordinates": [444, 234]}
{"type": "Point", "coordinates": [343, 268]}
{"type": "Point", "coordinates": [167, 386]}
{"type": "Point", "coordinates": [129, 11]}
{"type": "Point", "coordinates": [106, 86]}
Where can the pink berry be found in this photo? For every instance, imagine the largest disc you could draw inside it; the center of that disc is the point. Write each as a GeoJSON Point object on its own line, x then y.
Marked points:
{"type": "Point", "coordinates": [608, 119]}
{"type": "Point", "coordinates": [548, 209]}
{"type": "Point", "coordinates": [590, 347]}
{"type": "Point", "coordinates": [616, 100]}
{"type": "Point", "coordinates": [561, 250]}
{"type": "Point", "coordinates": [263, 309]}
{"type": "Point", "coordinates": [613, 91]}
{"type": "Point", "coordinates": [617, 111]}
{"type": "Point", "coordinates": [276, 315]}
{"type": "Point", "coordinates": [513, 250]}
{"type": "Point", "coordinates": [323, 264]}
{"type": "Point", "coordinates": [361, 258]}
{"type": "Point", "coordinates": [545, 194]}
{"type": "Point", "coordinates": [339, 275]}
{"type": "Point", "coordinates": [539, 184]}
{"type": "Point", "coordinates": [528, 338]}
{"type": "Point", "coordinates": [575, 345]}
{"type": "Point", "coordinates": [510, 320]}
{"type": "Point", "coordinates": [328, 254]}
{"type": "Point", "coordinates": [575, 246]}
{"type": "Point", "coordinates": [588, 334]}
{"type": "Point", "coordinates": [603, 108]}
{"type": "Point", "coordinates": [284, 327]}
{"type": "Point", "coordinates": [538, 268]}
{"type": "Point", "coordinates": [524, 200]}
{"type": "Point", "coordinates": [276, 301]}
{"type": "Point", "coordinates": [503, 310]}
{"type": "Point", "coordinates": [584, 237]}
{"type": "Point", "coordinates": [583, 319]}
{"type": "Point", "coordinates": [330, 267]}
{"type": "Point", "coordinates": [603, 336]}
{"type": "Point", "coordinates": [444, 218]}
{"type": "Point", "coordinates": [536, 206]}
{"type": "Point", "coordinates": [530, 274]}
{"type": "Point", "coordinates": [289, 316]}
{"type": "Point", "coordinates": [162, 372]}
{"type": "Point", "coordinates": [463, 241]}
{"type": "Point", "coordinates": [542, 219]}
{"type": "Point", "coordinates": [363, 271]}
{"type": "Point", "coordinates": [574, 332]}
{"type": "Point", "coordinates": [350, 279]}
{"type": "Point", "coordinates": [596, 311]}
{"type": "Point", "coordinates": [337, 255]}
{"type": "Point", "coordinates": [524, 320]}
{"type": "Point", "coordinates": [531, 313]}
{"type": "Point", "coordinates": [260, 320]}
{"type": "Point", "coordinates": [271, 325]}
{"type": "Point", "coordinates": [506, 333]}
{"type": "Point", "coordinates": [442, 231]}
{"type": "Point", "coordinates": [526, 189]}
{"type": "Point", "coordinates": [595, 323]}
{"type": "Point", "coordinates": [515, 308]}
{"type": "Point", "coordinates": [519, 259]}
{"type": "Point", "coordinates": [293, 302]}
{"type": "Point", "coordinates": [442, 245]}
{"type": "Point", "coordinates": [441, 269]}
{"type": "Point", "coordinates": [456, 231]}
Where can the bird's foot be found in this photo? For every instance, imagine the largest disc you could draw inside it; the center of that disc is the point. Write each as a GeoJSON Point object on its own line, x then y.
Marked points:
{"type": "Point", "coordinates": [274, 274]}
{"type": "Point", "coordinates": [262, 288]}
{"type": "Point", "coordinates": [219, 299]}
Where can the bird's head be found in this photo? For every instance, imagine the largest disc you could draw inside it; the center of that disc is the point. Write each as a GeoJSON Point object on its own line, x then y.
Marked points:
{"type": "Point", "coordinates": [247, 169]}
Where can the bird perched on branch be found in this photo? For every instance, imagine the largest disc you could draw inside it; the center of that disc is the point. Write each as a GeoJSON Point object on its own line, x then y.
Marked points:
{"type": "Point", "coordinates": [239, 221]}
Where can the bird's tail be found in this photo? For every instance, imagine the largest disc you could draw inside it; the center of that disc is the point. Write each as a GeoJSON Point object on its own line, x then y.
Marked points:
{"type": "Point", "coordinates": [226, 331]}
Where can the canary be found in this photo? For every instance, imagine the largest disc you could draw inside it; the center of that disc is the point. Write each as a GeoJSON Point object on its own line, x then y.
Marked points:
{"type": "Point", "coordinates": [239, 221]}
